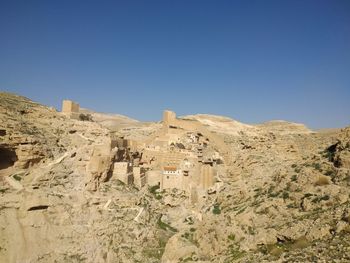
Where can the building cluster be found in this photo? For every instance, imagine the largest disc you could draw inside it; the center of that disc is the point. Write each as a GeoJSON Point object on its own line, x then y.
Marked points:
{"type": "Point", "coordinates": [177, 157]}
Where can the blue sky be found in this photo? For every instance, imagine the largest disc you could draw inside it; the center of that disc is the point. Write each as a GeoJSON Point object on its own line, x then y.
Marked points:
{"type": "Point", "coordinates": [253, 61]}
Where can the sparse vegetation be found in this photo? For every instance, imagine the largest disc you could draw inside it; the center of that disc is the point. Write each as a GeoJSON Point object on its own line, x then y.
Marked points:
{"type": "Point", "coordinates": [17, 177]}
{"type": "Point", "coordinates": [285, 195]}
{"type": "Point", "coordinates": [320, 198]}
{"type": "Point", "coordinates": [231, 237]}
{"type": "Point", "coordinates": [330, 173]}
{"type": "Point", "coordinates": [216, 209]}
{"type": "Point", "coordinates": [317, 167]}
{"type": "Point", "coordinates": [154, 191]}
{"type": "Point", "coordinates": [278, 248]}
{"type": "Point", "coordinates": [234, 253]}
{"type": "Point", "coordinates": [165, 226]}
{"type": "Point", "coordinates": [190, 237]}
{"type": "Point", "coordinates": [85, 117]}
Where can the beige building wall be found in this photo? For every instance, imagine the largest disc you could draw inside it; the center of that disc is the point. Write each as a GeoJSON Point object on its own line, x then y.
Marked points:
{"type": "Point", "coordinates": [139, 177]}
{"type": "Point", "coordinates": [171, 181]}
{"type": "Point", "coordinates": [193, 195]}
{"type": "Point", "coordinates": [126, 178]}
{"type": "Point", "coordinates": [69, 106]}
{"type": "Point", "coordinates": [168, 119]}
{"type": "Point", "coordinates": [186, 181]}
{"type": "Point", "coordinates": [123, 172]}
{"type": "Point", "coordinates": [153, 177]}
{"type": "Point", "coordinates": [207, 177]}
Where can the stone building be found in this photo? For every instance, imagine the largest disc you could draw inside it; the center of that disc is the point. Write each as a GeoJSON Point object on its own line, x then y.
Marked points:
{"type": "Point", "coordinates": [71, 109]}
{"type": "Point", "coordinates": [123, 171]}
{"type": "Point", "coordinates": [169, 118]}
{"type": "Point", "coordinates": [154, 177]}
{"type": "Point", "coordinates": [172, 177]}
{"type": "Point", "coordinates": [139, 177]}
{"type": "Point", "coordinates": [207, 177]}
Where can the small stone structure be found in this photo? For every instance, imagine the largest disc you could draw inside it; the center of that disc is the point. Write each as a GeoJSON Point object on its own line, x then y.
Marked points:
{"type": "Point", "coordinates": [71, 109]}
{"type": "Point", "coordinates": [169, 118]}
{"type": "Point", "coordinates": [171, 178]}
{"type": "Point", "coordinates": [123, 172]}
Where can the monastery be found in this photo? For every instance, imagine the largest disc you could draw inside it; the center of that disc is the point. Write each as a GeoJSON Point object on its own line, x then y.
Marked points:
{"type": "Point", "coordinates": [178, 156]}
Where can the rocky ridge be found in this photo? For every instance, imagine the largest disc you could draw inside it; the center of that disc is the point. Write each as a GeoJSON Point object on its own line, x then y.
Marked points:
{"type": "Point", "coordinates": [285, 194]}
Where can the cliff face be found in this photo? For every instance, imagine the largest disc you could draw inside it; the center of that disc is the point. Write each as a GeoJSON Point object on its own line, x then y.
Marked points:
{"type": "Point", "coordinates": [283, 195]}
{"type": "Point", "coordinates": [44, 156]}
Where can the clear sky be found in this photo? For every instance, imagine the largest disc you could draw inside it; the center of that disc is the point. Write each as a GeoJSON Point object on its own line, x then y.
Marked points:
{"type": "Point", "coordinates": [253, 61]}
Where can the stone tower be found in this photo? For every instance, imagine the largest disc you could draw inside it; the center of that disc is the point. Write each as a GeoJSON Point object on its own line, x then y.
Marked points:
{"type": "Point", "coordinates": [70, 109]}
{"type": "Point", "coordinates": [168, 119]}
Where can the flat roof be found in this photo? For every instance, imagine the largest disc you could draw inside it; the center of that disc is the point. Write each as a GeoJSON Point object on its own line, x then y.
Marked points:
{"type": "Point", "coordinates": [170, 168]}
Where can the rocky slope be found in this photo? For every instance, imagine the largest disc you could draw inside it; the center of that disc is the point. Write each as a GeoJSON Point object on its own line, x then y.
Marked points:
{"type": "Point", "coordinates": [284, 197]}
{"type": "Point", "coordinates": [111, 121]}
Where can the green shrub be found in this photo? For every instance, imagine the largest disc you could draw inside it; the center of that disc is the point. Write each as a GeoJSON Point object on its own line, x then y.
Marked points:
{"type": "Point", "coordinates": [330, 173]}
{"type": "Point", "coordinates": [85, 117]}
{"type": "Point", "coordinates": [322, 198]}
{"type": "Point", "coordinates": [153, 189]}
{"type": "Point", "coordinates": [308, 195]}
{"type": "Point", "coordinates": [231, 237]}
{"type": "Point", "coordinates": [165, 226]}
{"type": "Point", "coordinates": [317, 166]}
{"type": "Point", "coordinates": [216, 209]}
{"type": "Point", "coordinates": [17, 177]}
{"type": "Point", "coordinates": [285, 195]}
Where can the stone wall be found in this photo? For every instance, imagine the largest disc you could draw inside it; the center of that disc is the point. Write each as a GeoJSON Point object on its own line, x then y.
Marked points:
{"type": "Point", "coordinates": [139, 177]}
{"type": "Point", "coordinates": [123, 172]}
{"type": "Point", "coordinates": [153, 177]}
{"type": "Point", "coordinates": [207, 177]}
{"type": "Point", "coordinates": [171, 181]}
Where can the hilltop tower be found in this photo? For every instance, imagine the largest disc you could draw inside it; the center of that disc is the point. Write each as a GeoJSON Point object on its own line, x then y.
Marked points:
{"type": "Point", "coordinates": [169, 118]}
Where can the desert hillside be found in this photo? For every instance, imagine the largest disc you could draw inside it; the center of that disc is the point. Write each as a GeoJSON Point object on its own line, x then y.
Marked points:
{"type": "Point", "coordinates": [96, 190]}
